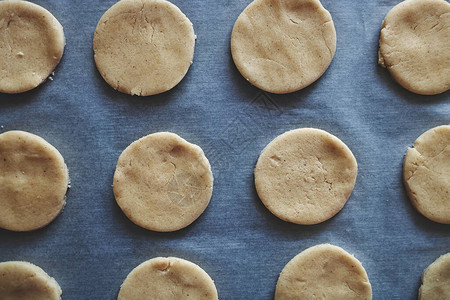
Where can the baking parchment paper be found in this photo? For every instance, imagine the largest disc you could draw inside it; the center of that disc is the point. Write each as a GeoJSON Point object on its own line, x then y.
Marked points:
{"type": "Point", "coordinates": [91, 247]}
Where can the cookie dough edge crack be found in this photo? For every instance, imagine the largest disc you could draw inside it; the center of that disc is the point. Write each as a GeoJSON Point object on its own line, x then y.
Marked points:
{"type": "Point", "coordinates": [325, 40]}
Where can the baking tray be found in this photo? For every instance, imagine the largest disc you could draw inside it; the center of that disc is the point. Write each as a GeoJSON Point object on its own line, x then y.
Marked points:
{"type": "Point", "coordinates": [91, 247]}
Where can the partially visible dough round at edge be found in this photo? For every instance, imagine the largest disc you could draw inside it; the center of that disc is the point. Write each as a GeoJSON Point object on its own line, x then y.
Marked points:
{"type": "Point", "coordinates": [31, 45]}
{"type": "Point", "coordinates": [168, 278]}
{"type": "Point", "coordinates": [21, 280]}
{"type": "Point", "coordinates": [324, 271]}
{"type": "Point", "coordinates": [426, 174]}
{"type": "Point", "coordinates": [33, 181]}
{"type": "Point", "coordinates": [436, 280]}
{"type": "Point", "coordinates": [414, 43]}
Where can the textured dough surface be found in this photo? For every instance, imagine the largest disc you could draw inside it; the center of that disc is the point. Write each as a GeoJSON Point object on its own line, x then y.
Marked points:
{"type": "Point", "coordinates": [21, 280]}
{"type": "Point", "coordinates": [162, 182]}
{"type": "Point", "coordinates": [426, 173]}
{"type": "Point", "coordinates": [415, 43]}
{"type": "Point", "coordinates": [323, 272]}
{"type": "Point", "coordinates": [33, 181]}
{"type": "Point", "coordinates": [282, 46]}
{"type": "Point", "coordinates": [436, 280]}
{"type": "Point", "coordinates": [143, 47]}
{"type": "Point", "coordinates": [168, 278]}
{"type": "Point", "coordinates": [31, 45]}
{"type": "Point", "coordinates": [305, 176]}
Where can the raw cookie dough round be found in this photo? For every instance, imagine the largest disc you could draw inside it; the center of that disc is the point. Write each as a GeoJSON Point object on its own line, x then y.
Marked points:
{"type": "Point", "coordinates": [305, 176]}
{"type": "Point", "coordinates": [324, 271]}
{"type": "Point", "coordinates": [426, 173]}
{"type": "Point", "coordinates": [168, 278]}
{"type": "Point", "coordinates": [33, 181]}
{"type": "Point", "coordinates": [415, 43]}
{"type": "Point", "coordinates": [436, 280]}
{"type": "Point", "coordinates": [21, 280]}
{"type": "Point", "coordinates": [143, 47]}
{"type": "Point", "coordinates": [31, 45]}
{"type": "Point", "coordinates": [283, 46]}
{"type": "Point", "coordinates": [162, 182]}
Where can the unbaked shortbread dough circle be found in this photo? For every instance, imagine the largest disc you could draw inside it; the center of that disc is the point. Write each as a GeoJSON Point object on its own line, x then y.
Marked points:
{"type": "Point", "coordinates": [323, 272]}
{"type": "Point", "coordinates": [426, 173]}
{"type": "Point", "coordinates": [143, 47]}
{"type": "Point", "coordinates": [283, 46]}
{"type": "Point", "coordinates": [415, 43]}
{"type": "Point", "coordinates": [31, 45]}
{"type": "Point", "coordinates": [305, 176]}
{"type": "Point", "coordinates": [436, 280]}
{"type": "Point", "coordinates": [21, 280]}
{"type": "Point", "coordinates": [162, 182]}
{"type": "Point", "coordinates": [33, 181]}
{"type": "Point", "coordinates": [168, 278]}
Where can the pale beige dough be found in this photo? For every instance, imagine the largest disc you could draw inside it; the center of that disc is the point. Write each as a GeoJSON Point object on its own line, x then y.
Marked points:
{"type": "Point", "coordinates": [21, 280]}
{"type": "Point", "coordinates": [283, 46]}
{"type": "Point", "coordinates": [168, 278]}
{"type": "Point", "coordinates": [305, 176]}
{"type": "Point", "coordinates": [426, 173]}
{"type": "Point", "coordinates": [143, 47]}
{"type": "Point", "coordinates": [31, 45]}
{"type": "Point", "coordinates": [436, 280]}
{"type": "Point", "coordinates": [323, 272]}
{"type": "Point", "coordinates": [33, 181]}
{"type": "Point", "coordinates": [415, 43]}
{"type": "Point", "coordinates": [162, 182]}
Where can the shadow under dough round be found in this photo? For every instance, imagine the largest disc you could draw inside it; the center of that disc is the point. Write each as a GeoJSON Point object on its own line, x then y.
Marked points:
{"type": "Point", "coordinates": [283, 46]}
{"type": "Point", "coordinates": [31, 45]}
{"type": "Point", "coordinates": [305, 176]}
{"type": "Point", "coordinates": [168, 278]}
{"type": "Point", "coordinates": [324, 271]}
{"type": "Point", "coordinates": [426, 174]}
{"type": "Point", "coordinates": [24, 281]}
{"type": "Point", "coordinates": [143, 47]}
{"type": "Point", "coordinates": [436, 280]}
{"type": "Point", "coordinates": [162, 182]}
{"type": "Point", "coordinates": [33, 181]}
{"type": "Point", "coordinates": [415, 43]}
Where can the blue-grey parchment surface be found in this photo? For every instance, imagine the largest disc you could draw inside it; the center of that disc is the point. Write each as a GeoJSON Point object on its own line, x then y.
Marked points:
{"type": "Point", "coordinates": [92, 246]}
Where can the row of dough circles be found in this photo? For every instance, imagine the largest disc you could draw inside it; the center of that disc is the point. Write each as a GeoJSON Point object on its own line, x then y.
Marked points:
{"type": "Point", "coordinates": [164, 183]}
{"type": "Point", "coordinates": [321, 272]}
{"type": "Point", "coordinates": [278, 46]}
